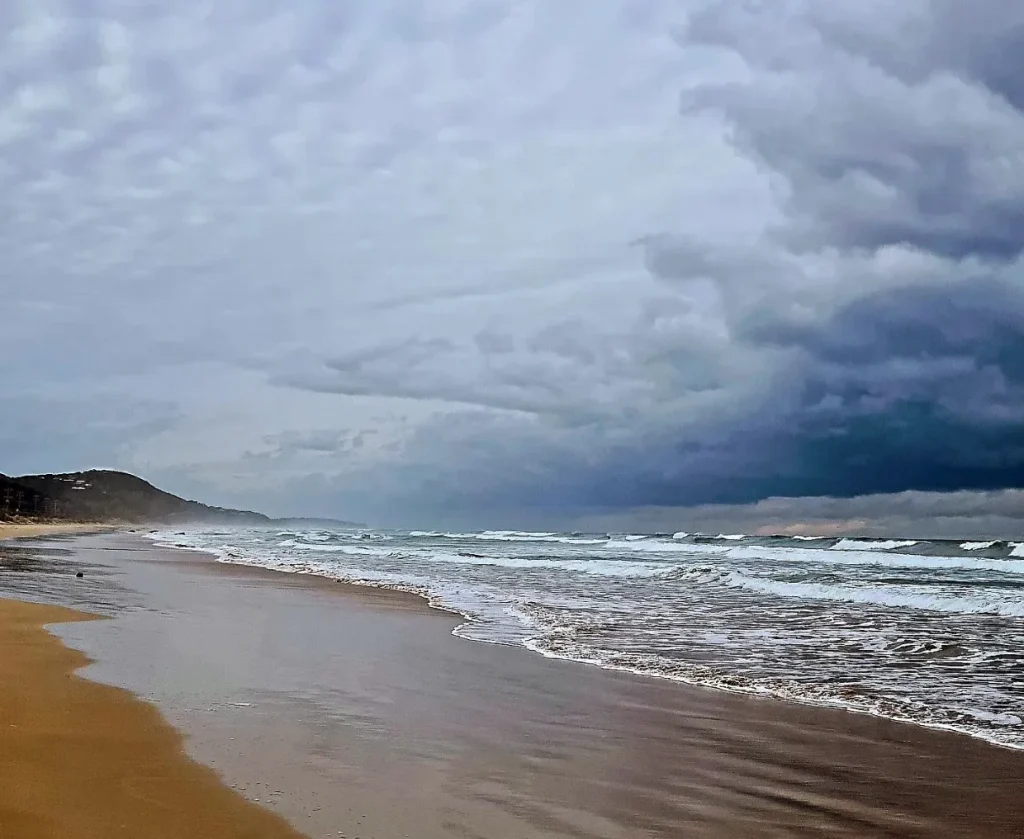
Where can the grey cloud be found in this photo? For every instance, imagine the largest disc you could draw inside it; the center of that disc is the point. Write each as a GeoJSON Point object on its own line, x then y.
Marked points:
{"type": "Point", "coordinates": [886, 297]}
{"type": "Point", "coordinates": [46, 433]}
{"type": "Point", "coordinates": [418, 221]}
{"type": "Point", "coordinates": [883, 142]}
{"type": "Point", "coordinates": [910, 388]}
{"type": "Point", "coordinates": [563, 339]}
{"type": "Point", "coordinates": [948, 515]}
{"type": "Point", "coordinates": [494, 343]}
{"type": "Point", "coordinates": [321, 442]}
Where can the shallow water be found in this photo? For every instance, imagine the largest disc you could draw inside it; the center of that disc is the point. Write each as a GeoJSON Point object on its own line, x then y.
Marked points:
{"type": "Point", "coordinates": [926, 632]}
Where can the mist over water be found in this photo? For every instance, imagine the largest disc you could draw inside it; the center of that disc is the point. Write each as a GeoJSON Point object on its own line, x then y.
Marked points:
{"type": "Point", "coordinates": [926, 632]}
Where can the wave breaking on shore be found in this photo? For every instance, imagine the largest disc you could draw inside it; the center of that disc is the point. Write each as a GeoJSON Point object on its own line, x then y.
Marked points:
{"type": "Point", "coordinates": [927, 632]}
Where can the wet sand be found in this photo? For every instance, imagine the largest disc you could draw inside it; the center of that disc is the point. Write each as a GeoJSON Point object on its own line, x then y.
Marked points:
{"type": "Point", "coordinates": [355, 711]}
{"type": "Point", "coordinates": [86, 760]}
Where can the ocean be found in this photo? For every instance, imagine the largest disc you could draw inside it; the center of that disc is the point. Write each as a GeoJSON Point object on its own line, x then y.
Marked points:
{"type": "Point", "coordinates": [927, 632]}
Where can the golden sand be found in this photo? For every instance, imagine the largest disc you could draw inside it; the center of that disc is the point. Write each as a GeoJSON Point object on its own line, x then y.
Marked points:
{"type": "Point", "coordinates": [27, 531]}
{"type": "Point", "coordinates": [89, 761]}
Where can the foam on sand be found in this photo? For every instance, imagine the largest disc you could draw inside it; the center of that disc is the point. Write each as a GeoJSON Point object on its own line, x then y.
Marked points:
{"type": "Point", "coordinates": [788, 618]}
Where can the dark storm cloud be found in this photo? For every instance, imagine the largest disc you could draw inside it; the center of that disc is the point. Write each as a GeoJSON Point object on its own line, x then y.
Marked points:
{"type": "Point", "coordinates": [910, 388]}
{"type": "Point", "coordinates": [286, 228]}
{"type": "Point", "coordinates": [912, 141]}
{"type": "Point", "coordinates": [916, 388]}
{"type": "Point", "coordinates": [887, 294]}
{"type": "Point", "coordinates": [950, 515]}
{"type": "Point", "coordinates": [890, 126]}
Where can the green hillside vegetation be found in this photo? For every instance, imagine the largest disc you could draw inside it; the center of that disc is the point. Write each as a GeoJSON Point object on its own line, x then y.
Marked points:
{"type": "Point", "coordinates": [20, 501]}
{"type": "Point", "coordinates": [106, 496]}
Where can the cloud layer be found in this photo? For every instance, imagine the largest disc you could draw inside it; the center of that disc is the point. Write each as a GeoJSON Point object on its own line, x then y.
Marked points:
{"type": "Point", "coordinates": [496, 260]}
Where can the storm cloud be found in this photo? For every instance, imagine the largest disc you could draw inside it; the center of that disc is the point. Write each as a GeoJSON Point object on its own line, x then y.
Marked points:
{"type": "Point", "coordinates": [521, 262]}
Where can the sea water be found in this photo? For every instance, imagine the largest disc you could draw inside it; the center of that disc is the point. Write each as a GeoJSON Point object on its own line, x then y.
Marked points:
{"type": "Point", "coordinates": [925, 632]}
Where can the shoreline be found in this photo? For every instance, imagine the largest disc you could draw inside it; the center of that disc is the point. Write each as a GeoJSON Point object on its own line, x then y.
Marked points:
{"type": "Point", "coordinates": [351, 708]}
{"type": "Point", "coordinates": [82, 759]}
{"type": "Point", "coordinates": [460, 619]}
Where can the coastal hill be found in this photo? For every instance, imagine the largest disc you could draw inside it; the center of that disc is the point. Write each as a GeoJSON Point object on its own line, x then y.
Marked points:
{"type": "Point", "coordinates": [304, 523]}
{"type": "Point", "coordinates": [107, 496]}
{"type": "Point", "coordinates": [19, 500]}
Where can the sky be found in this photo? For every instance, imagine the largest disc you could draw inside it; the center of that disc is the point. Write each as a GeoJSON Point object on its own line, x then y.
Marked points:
{"type": "Point", "coordinates": [644, 264]}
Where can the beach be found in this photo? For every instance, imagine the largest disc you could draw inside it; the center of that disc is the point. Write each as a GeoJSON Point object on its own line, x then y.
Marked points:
{"type": "Point", "coordinates": [34, 531]}
{"type": "Point", "coordinates": [354, 711]}
{"type": "Point", "coordinates": [87, 760]}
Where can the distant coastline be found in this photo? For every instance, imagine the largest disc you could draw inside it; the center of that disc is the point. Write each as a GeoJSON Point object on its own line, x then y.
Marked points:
{"type": "Point", "coordinates": [107, 497]}
{"type": "Point", "coordinates": [100, 497]}
{"type": "Point", "coordinates": [306, 522]}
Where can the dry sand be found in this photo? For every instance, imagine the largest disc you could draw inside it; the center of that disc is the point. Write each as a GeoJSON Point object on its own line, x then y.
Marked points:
{"type": "Point", "coordinates": [30, 531]}
{"type": "Point", "coordinates": [83, 760]}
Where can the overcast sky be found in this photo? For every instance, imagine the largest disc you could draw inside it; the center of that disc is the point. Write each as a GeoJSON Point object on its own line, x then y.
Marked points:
{"type": "Point", "coordinates": [632, 263]}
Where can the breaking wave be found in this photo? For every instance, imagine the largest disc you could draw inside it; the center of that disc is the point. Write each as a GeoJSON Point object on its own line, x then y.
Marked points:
{"type": "Point", "coordinates": [865, 545]}
{"type": "Point", "coordinates": [930, 632]}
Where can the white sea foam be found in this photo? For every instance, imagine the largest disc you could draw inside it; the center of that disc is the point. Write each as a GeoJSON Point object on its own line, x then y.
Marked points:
{"type": "Point", "coordinates": [827, 556]}
{"type": "Point", "coordinates": [913, 633]}
{"type": "Point", "coordinates": [1018, 549]}
{"type": "Point", "coordinates": [518, 536]}
{"type": "Point", "coordinates": [598, 567]}
{"type": "Point", "coordinates": [977, 546]}
{"type": "Point", "coordinates": [561, 540]}
{"type": "Point", "coordinates": [731, 537]}
{"type": "Point", "coordinates": [648, 546]}
{"type": "Point", "coordinates": [869, 545]}
{"type": "Point", "coordinates": [785, 689]}
{"type": "Point", "coordinates": [351, 550]}
{"type": "Point", "coordinates": [680, 535]}
{"type": "Point", "coordinates": [909, 597]}
{"type": "Point", "coordinates": [995, 719]}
